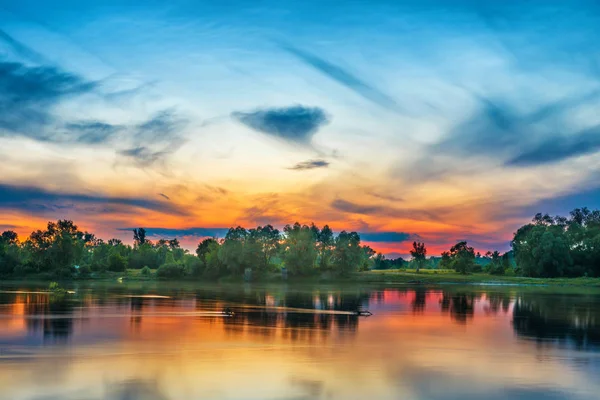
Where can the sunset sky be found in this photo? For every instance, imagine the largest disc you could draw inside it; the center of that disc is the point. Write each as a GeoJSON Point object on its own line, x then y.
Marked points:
{"type": "Point", "coordinates": [422, 120]}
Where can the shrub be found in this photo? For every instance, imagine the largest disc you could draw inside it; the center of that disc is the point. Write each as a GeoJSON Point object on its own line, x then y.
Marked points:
{"type": "Point", "coordinates": [170, 271]}
{"type": "Point", "coordinates": [117, 263]}
{"type": "Point", "coordinates": [193, 265]}
{"type": "Point", "coordinates": [496, 269]}
{"type": "Point", "coordinates": [146, 271]}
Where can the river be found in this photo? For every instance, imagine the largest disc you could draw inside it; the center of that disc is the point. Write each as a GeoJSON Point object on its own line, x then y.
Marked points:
{"type": "Point", "coordinates": [163, 341]}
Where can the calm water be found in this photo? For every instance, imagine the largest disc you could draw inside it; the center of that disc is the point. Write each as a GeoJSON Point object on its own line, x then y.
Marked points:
{"type": "Point", "coordinates": [167, 342]}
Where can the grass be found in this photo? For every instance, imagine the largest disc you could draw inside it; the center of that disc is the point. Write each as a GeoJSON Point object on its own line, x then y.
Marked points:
{"type": "Point", "coordinates": [390, 276]}
{"type": "Point", "coordinates": [429, 276]}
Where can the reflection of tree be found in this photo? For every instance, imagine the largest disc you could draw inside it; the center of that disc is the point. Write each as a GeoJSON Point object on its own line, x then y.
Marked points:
{"type": "Point", "coordinates": [418, 304]}
{"type": "Point", "coordinates": [59, 325]}
{"type": "Point", "coordinates": [136, 306]}
{"type": "Point", "coordinates": [49, 314]}
{"type": "Point", "coordinates": [459, 304]}
{"type": "Point", "coordinates": [498, 301]}
{"type": "Point", "coordinates": [566, 319]}
{"type": "Point", "coordinates": [303, 314]}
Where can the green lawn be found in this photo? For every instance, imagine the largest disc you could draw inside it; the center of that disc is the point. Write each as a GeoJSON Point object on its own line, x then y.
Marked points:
{"type": "Point", "coordinates": [431, 276]}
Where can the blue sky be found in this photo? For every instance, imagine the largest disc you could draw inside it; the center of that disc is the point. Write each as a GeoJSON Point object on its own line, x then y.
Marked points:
{"type": "Point", "coordinates": [432, 119]}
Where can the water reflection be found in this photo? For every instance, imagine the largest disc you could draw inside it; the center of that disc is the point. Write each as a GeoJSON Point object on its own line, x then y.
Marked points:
{"type": "Point", "coordinates": [568, 319]}
{"type": "Point", "coordinates": [154, 342]}
{"type": "Point", "coordinates": [564, 320]}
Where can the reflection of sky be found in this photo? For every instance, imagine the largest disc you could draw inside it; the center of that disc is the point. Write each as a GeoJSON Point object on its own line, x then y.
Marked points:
{"type": "Point", "coordinates": [445, 119]}
{"type": "Point", "coordinates": [405, 349]}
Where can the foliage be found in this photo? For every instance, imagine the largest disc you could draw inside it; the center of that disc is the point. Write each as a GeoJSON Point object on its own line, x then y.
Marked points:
{"type": "Point", "coordinates": [548, 247]}
{"type": "Point", "coordinates": [117, 263]}
{"type": "Point", "coordinates": [462, 258]}
{"type": "Point", "coordinates": [348, 255]}
{"type": "Point", "coordinates": [497, 266]}
{"type": "Point", "coordinates": [171, 270]}
{"type": "Point", "coordinates": [419, 254]}
{"type": "Point", "coordinates": [299, 249]}
{"type": "Point", "coordinates": [559, 246]}
{"type": "Point", "coordinates": [380, 262]}
{"type": "Point", "coordinates": [146, 271]}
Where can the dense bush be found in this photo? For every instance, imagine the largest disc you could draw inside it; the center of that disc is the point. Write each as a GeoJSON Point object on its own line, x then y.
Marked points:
{"type": "Point", "coordinates": [171, 271]}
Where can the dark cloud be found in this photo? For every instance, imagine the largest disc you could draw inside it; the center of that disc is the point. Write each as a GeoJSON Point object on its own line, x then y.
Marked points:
{"type": "Point", "coordinates": [164, 196]}
{"type": "Point", "coordinates": [369, 209]}
{"type": "Point", "coordinates": [295, 124]}
{"type": "Point", "coordinates": [171, 232]}
{"type": "Point", "coordinates": [386, 197]}
{"type": "Point", "coordinates": [385, 237]}
{"type": "Point", "coordinates": [345, 78]}
{"type": "Point", "coordinates": [353, 208]}
{"type": "Point", "coordinates": [562, 203]}
{"type": "Point", "coordinates": [559, 148]}
{"type": "Point", "coordinates": [310, 164]}
{"type": "Point", "coordinates": [28, 96]}
{"type": "Point", "coordinates": [501, 133]}
{"type": "Point", "coordinates": [33, 199]}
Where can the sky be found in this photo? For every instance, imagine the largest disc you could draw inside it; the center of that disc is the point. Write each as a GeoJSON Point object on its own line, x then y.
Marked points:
{"type": "Point", "coordinates": [427, 120]}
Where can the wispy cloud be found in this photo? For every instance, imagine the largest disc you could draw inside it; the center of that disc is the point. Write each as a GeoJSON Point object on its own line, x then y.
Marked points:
{"type": "Point", "coordinates": [296, 124]}
{"type": "Point", "coordinates": [164, 126]}
{"type": "Point", "coordinates": [556, 149]}
{"type": "Point", "coordinates": [354, 208]}
{"type": "Point", "coordinates": [503, 134]}
{"type": "Point", "coordinates": [164, 196]}
{"type": "Point", "coordinates": [310, 164]}
{"type": "Point", "coordinates": [155, 140]}
{"type": "Point", "coordinates": [19, 49]}
{"type": "Point", "coordinates": [91, 132]}
{"type": "Point", "coordinates": [143, 156]}
{"type": "Point", "coordinates": [345, 78]}
{"type": "Point", "coordinates": [380, 210]}
{"type": "Point", "coordinates": [28, 96]}
{"type": "Point", "coordinates": [34, 199]}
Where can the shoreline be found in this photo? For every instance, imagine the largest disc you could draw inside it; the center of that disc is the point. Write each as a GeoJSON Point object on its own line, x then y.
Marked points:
{"type": "Point", "coordinates": [385, 277]}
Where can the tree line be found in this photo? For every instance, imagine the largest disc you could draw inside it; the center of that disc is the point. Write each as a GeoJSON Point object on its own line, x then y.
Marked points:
{"type": "Point", "coordinates": [547, 247]}
{"type": "Point", "coordinates": [62, 250]}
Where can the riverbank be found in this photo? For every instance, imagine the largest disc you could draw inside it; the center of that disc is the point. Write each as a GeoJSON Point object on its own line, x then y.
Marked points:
{"type": "Point", "coordinates": [401, 276]}
{"type": "Point", "coordinates": [439, 277]}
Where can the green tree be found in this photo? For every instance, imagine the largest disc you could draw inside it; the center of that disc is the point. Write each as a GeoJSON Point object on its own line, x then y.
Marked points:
{"type": "Point", "coordinates": [10, 259]}
{"type": "Point", "coordinates": [204, 247]}
{"type": "Point", "coordinates": [299, 249]}
{"type": "Point", "coordinates": [325, 244]}
{"type": "Point", "coordinates": [139, 236]}
{"type": "Point", "coordinates": [367, 259]}
{"type": "Point", "coordinates": [419, 254]}
{"type": "Point", "coordinates": [116, 262]}
{"type": "Point", "coordinates": [446, 261]}
{"type": "Point", "coordinates": [497, 265]}
{"type": "Point", "coordinates": [232, 250]}
{"type": "Point", "coordinates": [463, 257]}
{"type": "Point", "coordinates": [348, 254]}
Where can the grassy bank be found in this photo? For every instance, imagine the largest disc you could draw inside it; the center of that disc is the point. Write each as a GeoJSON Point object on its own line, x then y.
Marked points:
{"type": "Point", "coordinates": [399, 276]}
{"type": "Point", "coordinates": [451, 277]}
